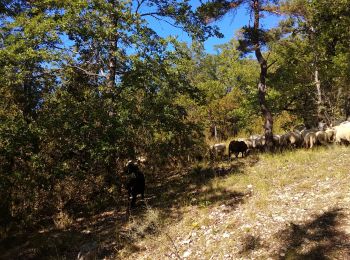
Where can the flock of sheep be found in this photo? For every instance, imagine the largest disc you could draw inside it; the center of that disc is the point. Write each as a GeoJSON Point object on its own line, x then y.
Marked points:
{"type": "Point", "coordinates": [306, 138]}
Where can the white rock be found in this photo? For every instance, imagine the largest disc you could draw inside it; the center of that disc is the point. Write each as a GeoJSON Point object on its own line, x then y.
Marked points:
{"type": "Point", "coordinates": [186, 241]}
{"type": "Point", "coordinates": [226, 235]}
{"type": "Point", "coordinates": [187, 253]}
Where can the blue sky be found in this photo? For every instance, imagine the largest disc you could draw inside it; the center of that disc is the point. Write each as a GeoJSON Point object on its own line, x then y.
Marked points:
{"type": "Point", "coordinates": [228, 25]}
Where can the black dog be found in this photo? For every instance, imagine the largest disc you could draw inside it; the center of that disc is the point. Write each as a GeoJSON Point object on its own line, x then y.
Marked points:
{"type": "Point", "coordinates": [135, 182]}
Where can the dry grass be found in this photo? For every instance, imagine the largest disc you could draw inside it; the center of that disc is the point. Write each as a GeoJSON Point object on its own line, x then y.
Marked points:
{"type": "Point", "coordinates": [293, 205]}
{"type": "Point", "coordinates": [62, 220]}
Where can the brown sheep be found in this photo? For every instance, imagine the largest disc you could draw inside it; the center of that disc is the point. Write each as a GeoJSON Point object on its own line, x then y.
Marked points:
{"type": "Point", "coordinates": [309, 140]}
{"type": "Point", "coordinates": [321, 138]}
{"type": "Point", "coordinates": [330, 135]}
{"type": "Point", "coordinates": [291, 139]}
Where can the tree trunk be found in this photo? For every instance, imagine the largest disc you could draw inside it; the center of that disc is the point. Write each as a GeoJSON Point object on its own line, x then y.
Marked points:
{"type": "Point", "coordinates": [319, 103]}
{"type": "Point", "coordinates": [268, 120]}
{"type": "Point", "coordinates": [112, 50]}
{"type": "Point", "coordinates": [347, 108]}
{"type": "Point", "coordinates": [112, 65]}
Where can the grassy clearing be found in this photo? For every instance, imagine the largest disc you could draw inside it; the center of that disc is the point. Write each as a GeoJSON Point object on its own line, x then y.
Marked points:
{"type": "Point", "coordinates": [293, 205]}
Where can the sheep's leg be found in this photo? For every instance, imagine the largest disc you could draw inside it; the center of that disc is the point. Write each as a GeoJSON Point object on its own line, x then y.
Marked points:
{"type": "Point", "coordinates": [133, 201]}
{"type": "Point", "coordinates": [129, 193]}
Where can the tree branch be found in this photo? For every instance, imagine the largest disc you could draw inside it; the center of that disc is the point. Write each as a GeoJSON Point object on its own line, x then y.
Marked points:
{"type": "Point", "coordinates": [139, 3]}
{"type": "Point", "coordinates": [270, 65]}
{"type": "Point", "coordinates": [89, 73]}
{"type": "Point", "coordinates": [271, 9]}
{"type": "Point", "coordinates": [149, 14]}
{"type": "Point", "coordinates": [163, 20]}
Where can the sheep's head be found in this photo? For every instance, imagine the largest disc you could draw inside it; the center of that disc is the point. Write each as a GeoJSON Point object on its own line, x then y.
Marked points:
{"type": "Point", "coordinates": [130, 167]}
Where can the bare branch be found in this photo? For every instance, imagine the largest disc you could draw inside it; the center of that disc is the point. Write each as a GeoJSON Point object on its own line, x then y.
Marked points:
{"type": "Point", "coordinates": [268, 55]}
{"type": "Point", "coordinates": [164, 20]}
{"type": "Point", "coordinates": [139, 3]}
{"type": "Point", "coordinates": [149, 14]}
{"type": "Point", "coordinates": [270, 65]}
{"type": "Point", "coordinates": [86, 72]}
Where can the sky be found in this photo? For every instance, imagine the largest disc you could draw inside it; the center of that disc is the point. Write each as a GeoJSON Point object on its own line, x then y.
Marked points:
{"type": "Point", "coordinates": [228, 26]}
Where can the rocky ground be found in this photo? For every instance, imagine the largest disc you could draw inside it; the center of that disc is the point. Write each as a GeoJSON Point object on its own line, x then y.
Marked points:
{"type": "Point", "coordinates": [300, 211]}
{"type": "Point", "coordinates": [287, 206]}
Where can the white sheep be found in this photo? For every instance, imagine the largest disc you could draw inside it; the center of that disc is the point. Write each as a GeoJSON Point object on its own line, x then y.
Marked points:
{"type": "Point", "coordinates": [342, 133]}
{"type": "Point", "coordinates": [258, 141]}
{"type": "Point", "coordinates": [218, 150]}
{"type": "Point", "coordinates": [276, 139]}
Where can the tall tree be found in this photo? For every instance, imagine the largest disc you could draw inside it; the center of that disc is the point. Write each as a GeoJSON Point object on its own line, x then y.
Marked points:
{"type": "Point", "coordinates": [89, 83]}
{"type": "Point", "coordinates": [317, 40]}
{"type": "Point", "coordinates": [254, 38]}
{"type": "Point", "coordinates": [107, 33]}
{"type": "Point", "coordinates": [331, 23]}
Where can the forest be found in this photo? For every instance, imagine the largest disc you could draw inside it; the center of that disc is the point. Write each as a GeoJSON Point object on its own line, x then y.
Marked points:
{"type": "Point", "coordinates": [87, 85]}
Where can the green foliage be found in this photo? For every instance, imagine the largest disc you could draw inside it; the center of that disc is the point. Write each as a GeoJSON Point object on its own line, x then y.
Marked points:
{"type": "Point", "coordinates": [72, 112]}
{"type": "Point", "coordinates": [87, 85]}
{"type": "Point", "coordinates": [312, 47]}
{"type": "Point", "coordinates": [228, 83]}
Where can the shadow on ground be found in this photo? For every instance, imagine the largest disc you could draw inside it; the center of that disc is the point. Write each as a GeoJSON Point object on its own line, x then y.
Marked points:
{"type": "Point", "coordinates": [92, 238]}
{"type": "Point", "coordinates": [195, 187]}
{"type": "Point", "coordinates": [97, 237]}
{"type": "Point", "coordinates": [321, 238]}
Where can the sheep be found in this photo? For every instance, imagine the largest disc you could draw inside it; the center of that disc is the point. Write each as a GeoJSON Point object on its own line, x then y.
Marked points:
{"type": "Point", "coordinates": [237, 147]}
{"type": "Point", "coordinates": [299, 128]}
{"type": "Point", "coordinates": [330, 135]}
{"type": "Point", "coordinates": [291, 139]}
{"type": "Point", "coordinates": [249, 143]}
{"type": "Point", "coordinates": [277, 140]}
{"type": "Point", "coordinates": [342, 133]}
{"type": "Point", "coordinates": [135, 183]}
{"type": "Point", "coordinates": [321, 137]}
{"type": "Point", "coordinates": [309, 139]}
{"type": "Point", "coordinates": [258, 142]}
{"type": "Point", "coordinates": [305, 131]}
{"type": "Point", "coordinates": [217, 150]}
{"type": "Point", "coordinates": [142, 159]}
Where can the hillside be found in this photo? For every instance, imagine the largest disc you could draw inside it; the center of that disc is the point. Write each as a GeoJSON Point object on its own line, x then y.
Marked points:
{"type": "Point", "coordinates": [284, 206]}
{"type": "Point", "coordinates": [289, 206]}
